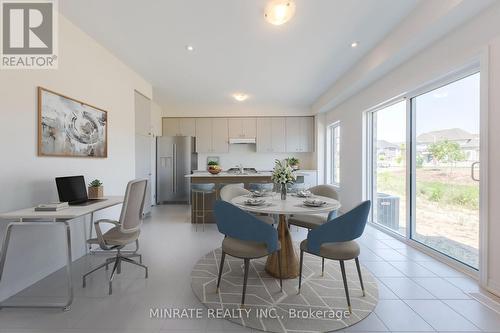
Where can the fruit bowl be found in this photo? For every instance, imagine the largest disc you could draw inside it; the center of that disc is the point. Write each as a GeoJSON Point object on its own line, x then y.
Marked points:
{"type": "Point", "coordinates": [214, 170]}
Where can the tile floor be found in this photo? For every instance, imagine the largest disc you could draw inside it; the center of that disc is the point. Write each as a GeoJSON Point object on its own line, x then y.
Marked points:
{"type": "Point", "coordinates": [417, 293]}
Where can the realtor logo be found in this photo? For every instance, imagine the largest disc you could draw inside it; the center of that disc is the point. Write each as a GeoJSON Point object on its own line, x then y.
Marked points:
{"type": "Point", "coordinates": [28, 34]}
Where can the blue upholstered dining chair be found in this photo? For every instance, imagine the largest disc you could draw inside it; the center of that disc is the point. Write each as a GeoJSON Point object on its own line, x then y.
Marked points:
{"type": "Point", "coordinates": [335, 240]}
{"type": "Point", "coordinates": [247, 238]}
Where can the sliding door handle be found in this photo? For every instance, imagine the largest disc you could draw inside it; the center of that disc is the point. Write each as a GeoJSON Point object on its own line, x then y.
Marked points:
{"type": "Point", "coordinates": [472, 171]}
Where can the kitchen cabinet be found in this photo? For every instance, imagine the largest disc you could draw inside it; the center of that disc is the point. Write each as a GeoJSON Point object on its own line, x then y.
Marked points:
{"type": "Point", "coordinates": [300, 134]}
{"type": "Point", "coordinates": [212, 135]}
{"type": "Point", "coordinates": [242, 128]}
{"type": "Point", "coordinates": [179, 127]}
{"type": "Point", "coordinates": [187, 127]}
{"type": "Point", "coordinates": [271, 134]}
{"type": "Point", "coordinates": [220, 140]}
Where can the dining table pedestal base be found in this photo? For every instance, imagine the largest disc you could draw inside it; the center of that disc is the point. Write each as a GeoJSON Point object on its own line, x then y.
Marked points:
{"type": "Point", "coordinates": [289, 261]}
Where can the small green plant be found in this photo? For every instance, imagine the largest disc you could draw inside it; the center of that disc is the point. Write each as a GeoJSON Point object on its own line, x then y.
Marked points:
{"type": "Point", "coordinates": [213, 163]}
{"type": "Point", "coordinates": [95, 183]}
{"type": "Point", "coordinates": [293, 161]}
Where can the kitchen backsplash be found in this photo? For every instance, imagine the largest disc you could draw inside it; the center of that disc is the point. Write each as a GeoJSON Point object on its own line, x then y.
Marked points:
{"type": "Point", "coordinates": [246, 155]}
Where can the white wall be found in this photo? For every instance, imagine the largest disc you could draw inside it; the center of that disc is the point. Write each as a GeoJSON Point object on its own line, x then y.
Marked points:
{"type": "Point", "coordinates": [446, 55]}
{"type": "Point", "coordinates": [87, 72]}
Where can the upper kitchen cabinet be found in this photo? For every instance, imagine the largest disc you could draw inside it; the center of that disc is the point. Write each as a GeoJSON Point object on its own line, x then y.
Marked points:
{"type": "Point", "coordinates": [187, 126]}
{"type": "Point", "coordinates": [300, 134]}
{"type": "Point", "coordinates": [220, 140]}
{"type": "Point", "coordinates": [242, 128]}
{"type": "Point", "coordinates": [179, 127]}
{"type": "Point", "coordinates": [271, 134]}
{"type": "Point", "coordinates": [212, 135]}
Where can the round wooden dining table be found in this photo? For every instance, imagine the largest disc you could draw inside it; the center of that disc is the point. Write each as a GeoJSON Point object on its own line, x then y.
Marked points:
{"type": "Point", "coordinates": [292, 205]}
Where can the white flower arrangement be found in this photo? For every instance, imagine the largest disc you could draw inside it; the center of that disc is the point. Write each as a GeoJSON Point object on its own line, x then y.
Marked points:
{"type": "Point", "coordinates": [283, 173]}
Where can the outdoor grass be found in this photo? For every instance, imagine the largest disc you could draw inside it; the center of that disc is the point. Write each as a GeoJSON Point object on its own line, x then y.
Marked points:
{"type": "Point", "coordinates": [465, 196]}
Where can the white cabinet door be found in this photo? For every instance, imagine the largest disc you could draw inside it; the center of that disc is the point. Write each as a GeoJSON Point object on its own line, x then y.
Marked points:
{"type": "Point", "coordinates": [220, 141]}
{"type": "Point", "coordinates": [203, 135]}
{"type": "Point", "coordinates": [187, 126]}
{"type": "Point", "coordinates": [248, 128]}
{"type": "Point", "coordinates": [244, 128]}
{"type": "Point", "coordinates": [170, 126]}
{"type": "Point", "coordinates": [278, 135]}
{"type": "Point", "coordinates": [293, 134]}
{"type": "Point", "coordinates": [235, 129]}
{"type": "Point", "coordinates": [264, 135]}
{"type": "Point", "coordinates": [307, 134]}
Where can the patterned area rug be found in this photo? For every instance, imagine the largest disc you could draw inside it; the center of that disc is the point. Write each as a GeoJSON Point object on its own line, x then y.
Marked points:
{"type": "Point", "coordinates": [320, 307]}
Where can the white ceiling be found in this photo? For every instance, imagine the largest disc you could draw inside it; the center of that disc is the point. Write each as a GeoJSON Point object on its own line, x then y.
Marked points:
{"type": "Point", "coordinates": [287, 66]}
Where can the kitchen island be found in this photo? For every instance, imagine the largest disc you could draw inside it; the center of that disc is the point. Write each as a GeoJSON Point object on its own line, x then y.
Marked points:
{"type": "Point", "coordinates": [221, 179]}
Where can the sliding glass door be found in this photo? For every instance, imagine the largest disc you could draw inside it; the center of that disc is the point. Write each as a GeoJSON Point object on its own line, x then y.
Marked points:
{"type": "Point", "coordinates": [446, 149]}
{"type": "Point", "coordinates": [388, 165]}
{"type": "Point", "coordinates": [437, 193]}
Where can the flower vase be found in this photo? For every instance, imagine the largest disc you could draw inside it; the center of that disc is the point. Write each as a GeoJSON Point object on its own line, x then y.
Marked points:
{"type": "Point", "coordinates": [283, 191]}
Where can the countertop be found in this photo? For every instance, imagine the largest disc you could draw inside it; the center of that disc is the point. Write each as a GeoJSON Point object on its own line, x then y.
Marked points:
{"type": "Point", "coordinates": [227, 174]}
{"type": "Point", "coordinates": [245, 175]}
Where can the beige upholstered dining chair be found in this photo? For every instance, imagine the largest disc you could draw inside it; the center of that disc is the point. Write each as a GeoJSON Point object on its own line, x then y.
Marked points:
{"type": "Point", "coordinates": [125, 231]}
{"type": "Point", "coordinates": [313, 221]}
{"type": "Point", "coordinates": [229, 192]}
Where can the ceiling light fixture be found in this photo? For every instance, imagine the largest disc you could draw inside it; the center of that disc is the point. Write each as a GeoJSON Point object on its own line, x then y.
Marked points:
{"type": "Point", "coordinates": [240, 97]}
{"type": "Point", "coordinates": [278, 12]}
{"type": "Point", "coordinates": [354, 44]}
{"type": "Point", "coordinates": [190, 48]}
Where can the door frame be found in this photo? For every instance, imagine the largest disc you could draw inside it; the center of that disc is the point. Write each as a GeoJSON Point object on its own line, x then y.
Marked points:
{"type": "Point", "coordinates": [478, 64]}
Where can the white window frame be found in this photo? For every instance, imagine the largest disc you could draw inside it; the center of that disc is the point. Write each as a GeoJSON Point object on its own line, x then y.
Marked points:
{"type": "Point", "coordinates": [332, 150]}
{"type": "Point", "coordinates": [470, 69]}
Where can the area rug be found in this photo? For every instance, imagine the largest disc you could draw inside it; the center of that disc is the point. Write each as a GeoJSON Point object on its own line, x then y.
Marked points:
{"type": "Point", "coordinates": [320, 307]}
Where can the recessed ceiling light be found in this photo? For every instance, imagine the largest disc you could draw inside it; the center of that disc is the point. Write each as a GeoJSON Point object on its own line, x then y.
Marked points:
{"type": "Point", "coordinates": [354, 44]}
{"type": "Point", "coordinates": [278, 12]}
{"type": "Point", "coordinates": [240, 97]}
{"type": "Point", "coordinates": [190, 48]}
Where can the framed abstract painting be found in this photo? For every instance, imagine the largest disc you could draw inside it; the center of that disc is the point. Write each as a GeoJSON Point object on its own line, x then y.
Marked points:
{"type": "Point", "coordinates": [70, 128]}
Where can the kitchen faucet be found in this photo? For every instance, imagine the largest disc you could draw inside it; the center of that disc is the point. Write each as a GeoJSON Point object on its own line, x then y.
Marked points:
{"type": "Point", "coordinates": [241, 168]}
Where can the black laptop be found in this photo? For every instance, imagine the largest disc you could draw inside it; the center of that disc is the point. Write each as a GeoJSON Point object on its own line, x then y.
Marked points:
{"type": "Point", "coordinates": [74, 191]}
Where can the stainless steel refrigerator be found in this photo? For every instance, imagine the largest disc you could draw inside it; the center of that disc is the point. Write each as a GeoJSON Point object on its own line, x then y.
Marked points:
{"type": "Point", "coordinates": [176, 157]}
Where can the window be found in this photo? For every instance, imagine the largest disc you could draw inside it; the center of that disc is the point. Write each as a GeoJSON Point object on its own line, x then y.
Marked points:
{"type": "Point", "coordinates": [334, 154]}
{"type": "Point", "coordinates": [433, 198]}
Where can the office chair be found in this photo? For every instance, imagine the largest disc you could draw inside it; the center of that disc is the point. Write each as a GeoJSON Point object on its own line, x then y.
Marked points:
{"type": "Point", "coordinates": [125, 231]}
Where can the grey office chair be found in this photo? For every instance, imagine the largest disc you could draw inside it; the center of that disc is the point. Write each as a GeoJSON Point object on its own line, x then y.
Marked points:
{"type": "Point", "coordinates": [125, 231]}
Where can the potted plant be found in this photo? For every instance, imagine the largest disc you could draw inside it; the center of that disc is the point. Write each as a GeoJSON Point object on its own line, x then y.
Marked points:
{"type": "Point", "coordinates": [96, 190]}
{"type": "Point", "coordinates": [213, 167]}
{"type": "Point", "coordinates": [294, 163]}
{"type": "Point", "coordinates": [283, 174]}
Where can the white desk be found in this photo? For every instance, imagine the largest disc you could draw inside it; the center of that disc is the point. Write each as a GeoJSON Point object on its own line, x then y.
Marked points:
{"type": "Point", "coordinates": [29, 217]}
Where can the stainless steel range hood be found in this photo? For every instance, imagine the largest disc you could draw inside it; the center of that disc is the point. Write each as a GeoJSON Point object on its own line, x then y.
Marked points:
{"type": "Point", "coordinates": [242, 140]}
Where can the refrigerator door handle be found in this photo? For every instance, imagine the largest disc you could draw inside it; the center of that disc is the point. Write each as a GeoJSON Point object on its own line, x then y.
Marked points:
{"type": "Point", "coordinates": [174, 166]}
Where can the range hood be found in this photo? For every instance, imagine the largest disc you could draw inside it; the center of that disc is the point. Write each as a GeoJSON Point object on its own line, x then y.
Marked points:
{"type": "Point", "coordinates": [242, 140]}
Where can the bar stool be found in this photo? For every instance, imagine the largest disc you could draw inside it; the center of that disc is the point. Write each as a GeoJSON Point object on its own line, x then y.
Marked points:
{"type": "Point", "coordinates": [221, 185]}
{"type": "Point", "coordinates": [197, 191]}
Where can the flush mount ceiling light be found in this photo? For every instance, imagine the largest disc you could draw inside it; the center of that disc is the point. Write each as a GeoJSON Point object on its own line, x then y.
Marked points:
{"type": "Point", "coordinates": [354, 44]}
{"type": "Point", "coordinates": [190, 48]}
{"type": "Point", "coordinates": [240, 97]}
{"type": "Point", "coordinates": [278, 12]}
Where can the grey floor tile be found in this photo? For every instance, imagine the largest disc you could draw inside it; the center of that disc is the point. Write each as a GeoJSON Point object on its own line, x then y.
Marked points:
{"type": "Point", "coordinates": [440, 316]}
{"type": "Point", "coordinates": [480, 315]}
{"type": "Point", "coordinates": [405, 288]}
{"type": "Point", "coordinates": [398, 316]}
{"type": "Point", "coordinates": [440, 288]}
